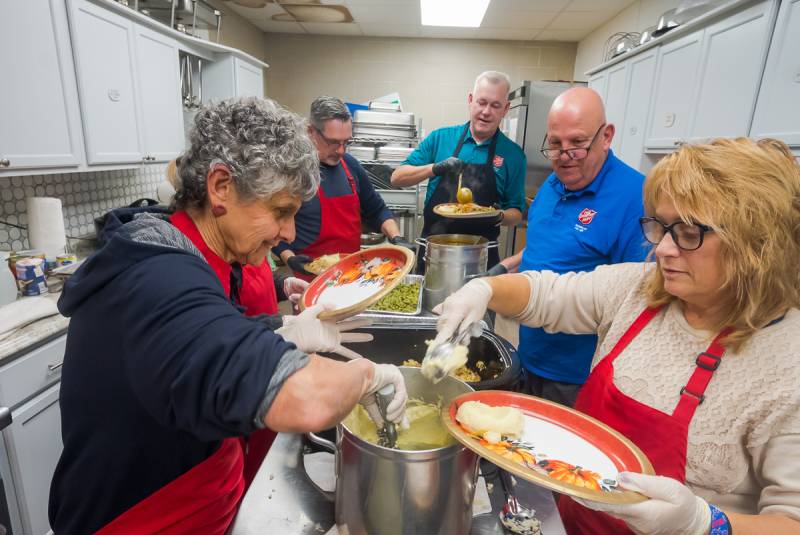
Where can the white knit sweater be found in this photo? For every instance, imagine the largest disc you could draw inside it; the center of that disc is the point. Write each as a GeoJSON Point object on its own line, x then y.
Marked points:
{"type": "Point", "coordinates": [744, 440]}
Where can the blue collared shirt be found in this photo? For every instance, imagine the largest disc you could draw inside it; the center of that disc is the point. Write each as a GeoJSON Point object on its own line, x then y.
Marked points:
{"type": "Point", "coordinates": [578, 231]}
{"type": "Point", "coordinates": [509, 163]}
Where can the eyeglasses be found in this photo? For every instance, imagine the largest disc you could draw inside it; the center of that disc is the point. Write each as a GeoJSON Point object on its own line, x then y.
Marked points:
{"type": "Point", "coordinates": [575, 153]}
{"type": "Point", "coordinates": [687, 236]}
{"type": "Point", "coordinates": [334, 143]}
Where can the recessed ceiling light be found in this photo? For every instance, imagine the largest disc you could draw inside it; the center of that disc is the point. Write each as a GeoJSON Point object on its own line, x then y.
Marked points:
{"type": "Point", "coordinates": [462, 13]}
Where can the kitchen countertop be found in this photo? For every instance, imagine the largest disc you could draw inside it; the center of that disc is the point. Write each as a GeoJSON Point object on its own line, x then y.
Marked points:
{"type": "Point", "coordinates": [21, 340]}
{"type": "Point", "coordinates": [283, 498]}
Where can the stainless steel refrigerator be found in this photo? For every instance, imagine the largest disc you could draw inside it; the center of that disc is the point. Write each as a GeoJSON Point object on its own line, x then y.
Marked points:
{"type": "Point", "coordinates": [526, 124]}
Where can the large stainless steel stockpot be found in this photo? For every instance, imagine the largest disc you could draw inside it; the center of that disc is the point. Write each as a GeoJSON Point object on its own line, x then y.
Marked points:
{"type": "Point", "coordinates": [450, 261]}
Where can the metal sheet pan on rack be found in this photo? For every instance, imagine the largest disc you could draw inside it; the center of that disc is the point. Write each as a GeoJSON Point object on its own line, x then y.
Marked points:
{"type": "Point", "coordinates": [408, 279]}
{"type": "Point", "coordinates": [384, 117]}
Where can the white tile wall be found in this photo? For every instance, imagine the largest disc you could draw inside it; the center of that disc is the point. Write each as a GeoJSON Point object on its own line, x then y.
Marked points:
{"type": "Point", "coordinates": [84, 196]}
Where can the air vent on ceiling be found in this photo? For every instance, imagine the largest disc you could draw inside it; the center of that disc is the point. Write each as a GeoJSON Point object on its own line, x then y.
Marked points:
{"type": "Point", "coordinates": [302, 10]}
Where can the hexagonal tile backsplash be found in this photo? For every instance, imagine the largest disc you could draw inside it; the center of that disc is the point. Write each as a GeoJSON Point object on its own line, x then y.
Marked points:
{"type": "Point", "coordinates": [84, 196]}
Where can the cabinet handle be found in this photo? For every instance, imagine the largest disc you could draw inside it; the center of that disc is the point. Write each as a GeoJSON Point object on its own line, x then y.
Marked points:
{"type": "Point", "coordinates": [53, 367]}
{"type": "Point", "coordinates": [5, 162]}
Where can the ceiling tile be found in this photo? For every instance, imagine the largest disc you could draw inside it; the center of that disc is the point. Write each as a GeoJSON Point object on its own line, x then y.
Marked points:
{"type": "Point", "coordinates": [398, 13]}
{"type": "Point", "coordinates": [391, 30]}
{"type": "Point", "coordinates": [273, 26]}
{"type": "Point", "coordinates": [579, 20]}
{"type": "Point", "coordinates": [529, 5]}
{"type": "Point", "coordinates": [448, 32]}
{"type": "Point", "coordinates": [561, 35]}
{"type": "Point", "coordinates": [327, 28]}
{"type": "Point", "coordinates": [599, 5]}
{"type": "Point", "coordinates": [506, 34]}
{"type": "Point", "coordinates": [522, 20]}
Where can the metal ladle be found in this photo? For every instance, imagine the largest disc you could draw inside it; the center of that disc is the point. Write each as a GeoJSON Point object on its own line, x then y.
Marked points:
{"type": "Point", "coordinates": [387, 435]}
{"type": "Point", "coordinates": [433, 366]}
{"type": "Point", "coordinates": [515, 517]}
{"type": "Point", "coordinates": [463, 195]}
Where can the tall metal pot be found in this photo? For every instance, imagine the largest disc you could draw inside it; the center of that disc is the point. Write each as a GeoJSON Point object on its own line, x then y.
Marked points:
{"type": "Point", "coordinates": [382, 491]}
{"type": "Point", "coordinates": [450, 261]}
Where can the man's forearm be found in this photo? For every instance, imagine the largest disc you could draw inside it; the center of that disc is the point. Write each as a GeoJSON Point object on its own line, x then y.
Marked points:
{"type": "Point", "coordinates": [411, 175]}
{"type": "Point", "coordinates": [511, 216]}
{"type": "Point", "coordinates": [390, 228]}
{"type": "Point", "coordinates": [286, 254]}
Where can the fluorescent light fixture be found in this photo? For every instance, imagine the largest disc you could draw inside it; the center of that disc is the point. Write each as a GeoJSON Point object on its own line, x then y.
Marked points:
{"type": "Point", "coordinates": [461, 13]}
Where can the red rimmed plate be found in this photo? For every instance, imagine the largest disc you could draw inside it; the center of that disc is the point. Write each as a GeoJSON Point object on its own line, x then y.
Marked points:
{"type": "Point", "coordinates": [561, 449]}
{"type": "Point", "coordinates": [449, 210]}
{"type": "Point", "coordinates": [358, 280]}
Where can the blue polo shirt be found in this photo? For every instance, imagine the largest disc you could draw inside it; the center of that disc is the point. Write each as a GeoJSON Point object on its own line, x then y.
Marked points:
{"type": "Point", "coordinates": [578, 231]}
{"type": "Point", "coordinates": [509, 166]}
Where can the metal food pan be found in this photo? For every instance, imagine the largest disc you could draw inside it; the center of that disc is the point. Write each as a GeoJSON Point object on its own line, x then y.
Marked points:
{"type": "Point", "coordinates": [362, 153]}
{"type": "Point", "coordinates": [408, 279]}
{"type": "Point", "coordinates": [398, 197]}
{"type": "Point", "coordinates": [384, 117]}
{"type": "Point", "coordinates": [362, 130]}
{"type": "Point", "coordinates": [394, 153]}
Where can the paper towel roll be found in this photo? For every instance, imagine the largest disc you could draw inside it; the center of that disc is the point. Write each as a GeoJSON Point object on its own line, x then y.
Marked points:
{"type": "Point", "coordinates": [46, 225]}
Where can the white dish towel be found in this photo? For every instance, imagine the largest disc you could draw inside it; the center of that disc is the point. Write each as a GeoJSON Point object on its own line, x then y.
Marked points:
{"type": "Point", "coordinates": [24, 311]}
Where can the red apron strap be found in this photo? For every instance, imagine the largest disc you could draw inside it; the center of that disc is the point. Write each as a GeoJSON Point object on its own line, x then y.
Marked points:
{"type": "Point", "coordinates": [350, 178]}
{"type": "Point", "coordinates": [693, 394]}
{"type": "Point", "coordinates": [636, 327]}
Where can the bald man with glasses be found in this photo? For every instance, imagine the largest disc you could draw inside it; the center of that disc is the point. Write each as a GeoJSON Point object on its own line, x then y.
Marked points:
{"type": "Point", "coordinates": [585, 214]}
{"type": "Point", "coordinates": [331, 221]}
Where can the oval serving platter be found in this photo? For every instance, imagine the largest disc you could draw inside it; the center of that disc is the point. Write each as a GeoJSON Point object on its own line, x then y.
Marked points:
{"type": "Point", "coordinates": [358, 280]}
{"type": "Point", "coordinates": [561, 448]}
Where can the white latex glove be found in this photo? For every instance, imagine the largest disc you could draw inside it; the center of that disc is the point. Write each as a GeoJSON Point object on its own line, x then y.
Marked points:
{"type": "Point", "coordinates": [293, 288]}
{"type": "Point", "coordinates": [672, 508]}
{"type": "Point", "coordinates": [312, 335]}
{"type": "Point", "coordinates": [386, 374]}
{"type": "Point", "coordinates": [463, 308]}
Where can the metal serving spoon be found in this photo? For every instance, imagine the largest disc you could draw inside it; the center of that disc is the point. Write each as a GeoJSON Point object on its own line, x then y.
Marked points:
{"type": "Point", "coordinates": [514, 516]}
{"type": "Point", "coordinates": [387, 435]}
{"type": "Point", "coordinates": [436, 365]}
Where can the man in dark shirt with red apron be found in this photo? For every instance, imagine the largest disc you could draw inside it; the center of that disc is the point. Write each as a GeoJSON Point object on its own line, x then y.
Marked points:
{"type": "Point", "coordinates": [331, 221]}
{"type": "Point", "coordinates": [490, 164]}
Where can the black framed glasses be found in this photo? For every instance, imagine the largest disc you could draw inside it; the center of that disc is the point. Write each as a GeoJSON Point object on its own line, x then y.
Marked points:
{"type": "Point", "coordinates": [332, 142]}
{"type": "Point", "coordinates": [574, 153]}
{"type": "Point", "coordinates": [687, 236]}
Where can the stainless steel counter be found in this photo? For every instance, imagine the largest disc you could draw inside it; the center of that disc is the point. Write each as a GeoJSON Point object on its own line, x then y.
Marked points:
{"type": "Point", "coordinates": [283, 499]}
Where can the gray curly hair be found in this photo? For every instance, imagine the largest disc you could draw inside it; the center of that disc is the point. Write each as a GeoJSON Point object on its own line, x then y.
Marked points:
{"type": "Point", "coordinates": [265, 146]}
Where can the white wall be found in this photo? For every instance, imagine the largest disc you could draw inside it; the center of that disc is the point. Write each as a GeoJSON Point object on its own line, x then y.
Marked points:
{"type": "Point", "coordinates": [433, 76]}
{"type": "Point", "coordinates": [634, 18]}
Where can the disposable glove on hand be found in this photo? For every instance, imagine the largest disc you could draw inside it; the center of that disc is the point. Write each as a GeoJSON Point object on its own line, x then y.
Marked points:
{"type": "Point", "coordinates": [293, 288]}
{"type": "Point", "coordinates": [463, 308]}
{"type": "Point", "coordinates": [672, 508]}
{"type": "Point", "coordinates": [311, 335]}
{"type": "Point", "coordinates": [297, 263]}
{"type": "Point", "coordinates": [386, 374]}
{"type": "Point", "coordinates": [401, 242]}
{"type": "Point", "coordinates": [450, 165]}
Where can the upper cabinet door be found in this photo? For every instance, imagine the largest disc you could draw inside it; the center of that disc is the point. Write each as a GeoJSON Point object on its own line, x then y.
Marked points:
{"type": "Point", "coordinates": [39, 116]}
{"type": "Point", "coordinates": [615, 100]}
{"type": "Point", "coordinates": [676, 74]}
{"type": "Point", "coordinates": [631, 134]}
{"type": "Point", "coordinates": [103, 44]}
{"type": "Point", "coordinates": [160, 95]}
{"type": "Point", "coordinates": [598, 82]}
{"type": "Point", "coordinates": [249, 79]}
{"type": "Point", "coordinates": [778, 110]}
{"type": "Point", "coordinates": [734, 50]}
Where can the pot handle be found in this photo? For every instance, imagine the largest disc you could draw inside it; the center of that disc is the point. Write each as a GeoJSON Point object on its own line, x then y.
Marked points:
{"type": "Point", "coordinates": [421, 241]}
{"type": "Point", "coordinates": [492, 244]}
{"type": "Point", "coordinates": [327, 444]}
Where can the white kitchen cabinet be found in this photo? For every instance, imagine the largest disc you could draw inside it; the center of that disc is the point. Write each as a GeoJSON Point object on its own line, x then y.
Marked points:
{"type": "Point", "coordinates": [33, 444]}
{"type": "Point", "coordinates": [103, 45]}
{"type": "Point", "coordinates": [730, 72]}
{"type": "Point", "coordinates": [615, 101]}
{"type": "Point", "coordinates": [675, 79]}
{"type": "Point", "coordinates": [161, 110]}
{"type": "Point", "coordinates": [598, 83]}
{"type": "Point", "coordinates": [631, 134]}
{"type": "Point", "coordinates": [39, 114]}
{"type": "Point", "coordinates": [232, 77]}
{"type": "Point", "coordinates": [777, 111]}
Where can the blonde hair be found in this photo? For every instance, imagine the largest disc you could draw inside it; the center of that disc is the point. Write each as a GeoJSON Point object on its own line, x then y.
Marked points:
{"type": "Point", "coordinates": [749, 193]}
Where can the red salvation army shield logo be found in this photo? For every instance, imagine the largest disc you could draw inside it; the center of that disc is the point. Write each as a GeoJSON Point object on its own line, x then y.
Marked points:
{"type": "Point", "coordinates": [498, 161]}
{"type": "Point", "coordinates": [586, 215]}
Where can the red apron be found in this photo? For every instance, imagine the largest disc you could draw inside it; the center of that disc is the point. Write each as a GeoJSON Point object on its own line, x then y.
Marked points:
{"type": "Point", "coordinates": [662, 437]}
{"type": "Point", "coordinates": [340, 224]}
{"type": "Point", "coordinates": [203, 500]}
{"type": "Point", "coordinates": [257, 295]}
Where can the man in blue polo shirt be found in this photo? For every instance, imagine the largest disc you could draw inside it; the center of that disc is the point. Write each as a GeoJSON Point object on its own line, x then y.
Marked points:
{"type": "Point", "coordinates": [489, 163]}
{"type": "Point", "coordinates": [586, 214]}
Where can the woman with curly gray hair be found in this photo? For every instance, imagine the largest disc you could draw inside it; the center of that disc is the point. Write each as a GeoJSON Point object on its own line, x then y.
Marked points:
{"type": "Point", "coordinates": [163, 374]}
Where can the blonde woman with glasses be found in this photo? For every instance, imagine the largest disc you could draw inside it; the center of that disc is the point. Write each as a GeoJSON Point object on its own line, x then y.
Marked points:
{"type": "Point", "coordinates": [697, 355]}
